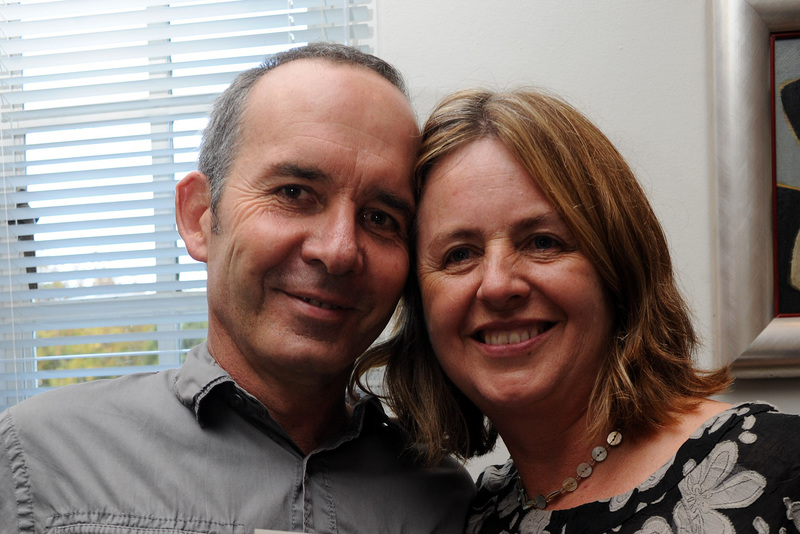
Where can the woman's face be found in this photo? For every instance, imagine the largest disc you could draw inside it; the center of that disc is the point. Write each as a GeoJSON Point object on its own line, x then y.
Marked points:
{"type": "Point", "coordinates": [517, 315]}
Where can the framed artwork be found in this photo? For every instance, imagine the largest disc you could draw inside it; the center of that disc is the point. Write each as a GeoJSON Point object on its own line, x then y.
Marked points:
{"type": "Point", "coordinates": [750, 331]}
{"type": "Point", "coordinates": [785, 62]}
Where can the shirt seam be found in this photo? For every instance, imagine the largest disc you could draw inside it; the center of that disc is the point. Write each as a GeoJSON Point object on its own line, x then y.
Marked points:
{"type": "Point", "coordinates": [326, 481]}
{"type": "Point", "coordinates": [15, 455]}
{"type": "Point", "coordinates": [97, 518]}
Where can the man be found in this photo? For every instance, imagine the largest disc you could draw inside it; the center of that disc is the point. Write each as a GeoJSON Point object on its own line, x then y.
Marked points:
{"type": "Point", "coordinates": [301, 209]}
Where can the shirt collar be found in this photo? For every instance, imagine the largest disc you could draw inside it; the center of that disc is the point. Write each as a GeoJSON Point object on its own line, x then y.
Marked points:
{"type": "Point", "coordinates": [200, 382]}
{"type": "Point", "coordinates": [197, 378]}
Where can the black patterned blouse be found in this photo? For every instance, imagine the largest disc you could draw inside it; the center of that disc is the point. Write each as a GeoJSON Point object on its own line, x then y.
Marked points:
{"type": "Point", "coordinates": [739, 472]}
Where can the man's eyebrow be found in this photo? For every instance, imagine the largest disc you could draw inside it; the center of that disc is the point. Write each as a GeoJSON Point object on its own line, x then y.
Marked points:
{"type": "Point", "coordinates": [294, 170]}
{"type": "Point", "coordinates": [397, 203]}
{"type": "Point", "coordinates": [313, 174]}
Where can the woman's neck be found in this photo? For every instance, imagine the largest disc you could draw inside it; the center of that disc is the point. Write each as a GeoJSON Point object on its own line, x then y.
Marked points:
{"type": "Point", "coordinates": [547, 450]}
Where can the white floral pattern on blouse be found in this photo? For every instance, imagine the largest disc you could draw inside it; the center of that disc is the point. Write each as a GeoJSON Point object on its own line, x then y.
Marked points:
{"type": "Point", "coordinates": [739, 472]}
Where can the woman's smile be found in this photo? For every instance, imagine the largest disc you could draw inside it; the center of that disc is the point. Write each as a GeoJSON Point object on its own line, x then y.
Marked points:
{"type": "Point", "coordinates": [511, 336]}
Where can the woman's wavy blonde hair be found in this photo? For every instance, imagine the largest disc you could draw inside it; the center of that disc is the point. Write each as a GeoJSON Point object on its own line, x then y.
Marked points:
{"type": "Point", "coordinates": [648, 377]}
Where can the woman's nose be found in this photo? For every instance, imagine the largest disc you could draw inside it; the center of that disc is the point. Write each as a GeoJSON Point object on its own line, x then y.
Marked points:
{"type": "Point", "coordinates": [503, 285]}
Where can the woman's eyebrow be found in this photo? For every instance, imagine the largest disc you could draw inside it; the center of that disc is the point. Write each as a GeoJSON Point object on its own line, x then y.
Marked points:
{"type": "Point", "coordinates": [548, 218]}
{"type": "Point", "coordinates": [526, 224]}
{"type": "Point", "coordinates": [458, 234]}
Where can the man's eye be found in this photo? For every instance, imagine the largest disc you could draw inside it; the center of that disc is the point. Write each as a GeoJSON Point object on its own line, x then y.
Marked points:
{"type": "Point", "coordinates": [381, 219]}
{"type": "Point", "coordinates": [458, 255]}
{"type": "Point", "coordinates": [292, 191]}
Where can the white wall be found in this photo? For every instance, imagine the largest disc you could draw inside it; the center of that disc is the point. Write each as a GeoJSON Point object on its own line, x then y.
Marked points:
{"type": "Point", "coordinates": [642, 70]}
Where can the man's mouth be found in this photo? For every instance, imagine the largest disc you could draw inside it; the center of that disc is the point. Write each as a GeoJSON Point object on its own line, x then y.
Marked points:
{"type": "Point", "coordinates": [318, 304]}
{"type": "Point", "coordinates": [507, 337]}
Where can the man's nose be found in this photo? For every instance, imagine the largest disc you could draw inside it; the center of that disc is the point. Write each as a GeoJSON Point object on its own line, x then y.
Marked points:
{"type": "Point", "coordinates": [334, 241]}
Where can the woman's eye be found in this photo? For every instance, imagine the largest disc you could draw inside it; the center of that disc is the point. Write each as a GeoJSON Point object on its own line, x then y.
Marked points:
{"type": "Point", "coordinates": [544, 242]}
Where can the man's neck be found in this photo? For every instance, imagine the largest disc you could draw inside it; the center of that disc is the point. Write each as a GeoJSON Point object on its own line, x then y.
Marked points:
{"type": "Point", "coordinates": [310, 426]}
{"type": "Point", "coordinates": [309, 411]}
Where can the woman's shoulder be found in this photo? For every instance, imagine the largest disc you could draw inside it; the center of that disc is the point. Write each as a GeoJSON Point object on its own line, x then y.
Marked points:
{"type": "Point", "coordinates": [496, 499]}
{"type": "Point", "coordinates": [749, 414]}
{"type": "Point", "coordinates": [754, 435]}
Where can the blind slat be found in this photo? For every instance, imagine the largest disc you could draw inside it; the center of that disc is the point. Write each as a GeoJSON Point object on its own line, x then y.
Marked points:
{"type": "Point", "coordinates": [62, 323]}
{"type": "Point", "coordinates": [72, 123]}
{"type": "Point", "coordinates": [122, 223]}
{"type": "Point", "coordinates": [64, 92]}
{"type": "Point", "coordinates": [9, 80]}
{"type": "Point", "coordinates": [161, 153]}
{"type": "Point", "coordinates": [91, 372]}
{"type": "Point", "coordinates": [59, 341]}
{"type": "Point", "coordinates": [157, 186]}
{"type": "Point", "coordinates": [69, 275]}
{"type": "Point", "coordinates": [16, 214]}
{"type": "Point", "coordinates": [59, 9]}
{"type": "Point", "coordinates": [135, 13]}
{"type": "Point", "coordinates": [100, 291]}
{"type": "Point", "coordinates": [32, 262]}
{"type": "Point", "coordinates": [61, 315]}
{"type": "Point", "coordinates": [120, 239]}
{"type": "Point", "coordinates": [94, 174]}
{"type": "Point", "coordinates": [12, 151]}
{"type": "Point", "coordinates": [124, 108]}
{"type": "Point", "coordinates": [68, 323]}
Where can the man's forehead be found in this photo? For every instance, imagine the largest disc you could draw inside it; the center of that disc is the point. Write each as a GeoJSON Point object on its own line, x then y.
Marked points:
{"type": "Point", "coordinates": [318, 86]}
{"type": "Point", "coordinates": [335, 98]}
{"type": "Point", "coordinates": [322, 76]}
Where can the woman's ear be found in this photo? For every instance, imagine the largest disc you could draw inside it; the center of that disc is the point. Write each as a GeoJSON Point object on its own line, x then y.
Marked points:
{"type": "Point", "coordinates": [193, 214]}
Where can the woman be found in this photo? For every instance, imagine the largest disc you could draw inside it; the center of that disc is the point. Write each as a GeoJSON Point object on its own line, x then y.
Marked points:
{"type": "Point", "coordinates": [545, 308]}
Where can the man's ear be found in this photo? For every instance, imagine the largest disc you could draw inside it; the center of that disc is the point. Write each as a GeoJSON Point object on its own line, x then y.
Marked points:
{"type": "Point", "coordinates": [193, 213]}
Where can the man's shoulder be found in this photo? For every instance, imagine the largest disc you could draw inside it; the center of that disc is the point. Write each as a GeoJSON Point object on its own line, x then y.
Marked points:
{"type": "Point", "coordinates": [97, 399]}
{"type": "Point", "coordinates": [100, 423]}
{"type": "Point", "coordinates": [130, 393]}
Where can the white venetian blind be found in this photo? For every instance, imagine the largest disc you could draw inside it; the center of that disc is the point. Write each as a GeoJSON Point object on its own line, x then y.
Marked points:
{"type": "Point", "coordinates": [101, 105]}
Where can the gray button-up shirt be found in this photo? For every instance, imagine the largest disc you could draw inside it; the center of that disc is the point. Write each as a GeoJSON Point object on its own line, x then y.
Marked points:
{"type": "Point", "coordinates": [187, 450]}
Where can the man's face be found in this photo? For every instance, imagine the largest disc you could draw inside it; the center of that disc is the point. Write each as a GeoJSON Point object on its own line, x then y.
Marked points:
{"type": "Point", "coordinates": [309, 255]}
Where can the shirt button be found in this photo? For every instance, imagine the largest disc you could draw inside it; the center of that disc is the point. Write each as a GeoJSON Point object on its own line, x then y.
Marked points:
{"type": "Point", "coordinates": [237, 401]}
